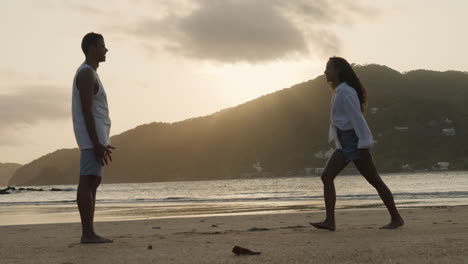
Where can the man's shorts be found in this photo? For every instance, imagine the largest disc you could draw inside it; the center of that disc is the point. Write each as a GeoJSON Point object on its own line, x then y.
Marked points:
{"type": "Point", "coordinates": [88, 163]}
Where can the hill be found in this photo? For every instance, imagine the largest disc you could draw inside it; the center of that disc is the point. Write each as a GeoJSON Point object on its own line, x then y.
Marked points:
{"type": "Point", "coordinates": [6, 172]}
{"type": "Point", "coordinates": [418, 119]}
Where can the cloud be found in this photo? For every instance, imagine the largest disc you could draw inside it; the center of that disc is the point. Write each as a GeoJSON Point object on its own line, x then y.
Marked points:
{"type": "Point", "coordinates": [87, 9]}
{"type": "Point", "coordinates": [93, 10]}
{"type": "Point", "coordinates": [8, 74]}
{"type": "Point", "coordinates": [250, 31]}
{"type": "Point", "coordinates": [30, 105]}
{"type": "Point", "coordinates": [26, 98]}
{"type": "Point", "coordinates": [326, 12]}
{"type": "Point", "coordinates": [229, 31]}
{"type": "Point", "coordinates": [11, 78]}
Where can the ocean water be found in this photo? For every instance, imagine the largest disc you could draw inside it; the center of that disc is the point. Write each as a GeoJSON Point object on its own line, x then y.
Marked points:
{"type": "Point", "coordinates": [220, 197]}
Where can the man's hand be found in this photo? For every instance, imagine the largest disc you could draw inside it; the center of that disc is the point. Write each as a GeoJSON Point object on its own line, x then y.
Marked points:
{"type": "Point", "coordinates": [103, 153]}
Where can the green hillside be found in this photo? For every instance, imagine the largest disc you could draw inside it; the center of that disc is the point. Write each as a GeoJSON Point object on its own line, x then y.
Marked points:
{"type": "Point", "coordinates": [284, 131]}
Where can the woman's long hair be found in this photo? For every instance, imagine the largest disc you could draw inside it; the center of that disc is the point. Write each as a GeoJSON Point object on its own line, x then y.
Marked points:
{"type": "Point", "coordinates": [347, 74]}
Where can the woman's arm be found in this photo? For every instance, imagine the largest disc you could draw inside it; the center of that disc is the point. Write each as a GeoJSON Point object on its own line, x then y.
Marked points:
{"type": "Point", "coordinates": [352, 108]}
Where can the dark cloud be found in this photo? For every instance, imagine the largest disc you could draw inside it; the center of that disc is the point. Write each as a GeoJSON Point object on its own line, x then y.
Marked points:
{"type": "Point", "coordinates": [251, 31]}
{"type": "Point", "coordinates": [228, 31]}
{"type": "Point", "coordinates": [31, 105]}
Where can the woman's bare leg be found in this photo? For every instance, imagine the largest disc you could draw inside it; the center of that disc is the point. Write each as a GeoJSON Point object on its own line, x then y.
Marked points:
{"type": "Point", "coordinates": [366, 167]}
{"type": "Point", "coordinates": [335, 165]}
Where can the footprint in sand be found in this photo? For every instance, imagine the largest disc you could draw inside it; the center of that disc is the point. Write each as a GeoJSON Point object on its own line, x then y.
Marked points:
{"type": "Point", "coordinates": [255, 229]}
{"type": "Point", "coordinates": [293, 227]}
{"type": "Point", "coordinates": [73, 244]}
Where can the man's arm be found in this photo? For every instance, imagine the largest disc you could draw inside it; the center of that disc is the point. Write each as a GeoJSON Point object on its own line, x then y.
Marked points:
{"type": "Point", "coordinates": [86, 81]}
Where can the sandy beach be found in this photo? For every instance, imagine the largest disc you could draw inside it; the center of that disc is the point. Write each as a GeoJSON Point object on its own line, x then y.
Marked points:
{"type": "Point", "coordinates": [431, 235]}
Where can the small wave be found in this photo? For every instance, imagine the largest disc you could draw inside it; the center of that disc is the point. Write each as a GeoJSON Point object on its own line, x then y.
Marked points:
{"type": "Point", "coordinates": [68, 189]}
{"type": "Point", "coordinates": [208, 200]}
{"type": "Point", "coordinates": [248, 199]}
{"type": "Point", "coordinates": [452, 194]}
{"type": "Point", "coordinates": [408, 195]}
{"type": "Point", "coordinates": [13, 190]}
{"type": "Point", "coordinates": [177, 198]}
{"type": "Point", "coordinates": [38, 203]}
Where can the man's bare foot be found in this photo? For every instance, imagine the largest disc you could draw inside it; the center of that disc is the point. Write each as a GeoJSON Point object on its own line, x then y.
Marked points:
{"type": "Point", "coordinates": [94, 239]}
{"type": "Point", "coordinates": [394, 224]}
{"type": "Point", "coordinates": [324, 225]}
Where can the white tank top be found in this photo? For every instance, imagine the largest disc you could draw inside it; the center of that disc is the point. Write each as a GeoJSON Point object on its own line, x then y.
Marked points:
{"type": "Point", "coordinates": [99, 110]}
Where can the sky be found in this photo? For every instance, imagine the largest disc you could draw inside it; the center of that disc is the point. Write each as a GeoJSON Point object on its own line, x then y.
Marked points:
{"type": "Point", "coordinates": [170, 60]}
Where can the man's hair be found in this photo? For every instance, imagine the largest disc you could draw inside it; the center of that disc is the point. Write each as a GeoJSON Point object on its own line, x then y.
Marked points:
{"type": "Point", "coordinates": [90, 39]}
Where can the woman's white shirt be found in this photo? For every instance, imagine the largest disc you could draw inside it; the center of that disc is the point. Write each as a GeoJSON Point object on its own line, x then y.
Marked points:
{"type": "Point", "coordinates": [346, 114]}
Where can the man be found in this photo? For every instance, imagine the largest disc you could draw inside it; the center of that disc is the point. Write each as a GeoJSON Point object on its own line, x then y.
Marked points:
{"type": "Point", "coordinates": [91, 124]}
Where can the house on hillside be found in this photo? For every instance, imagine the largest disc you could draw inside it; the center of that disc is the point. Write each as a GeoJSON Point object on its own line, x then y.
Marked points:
{"type": "Point", "coordinates": [442, 165]}
{"type": "Point", "coordinates": [324, 154]}
{"type": "Point", "coordinates": [449, 132]}
{"type": "Point", "coordinates": [401, 128]}
{"type": "Point", "coordinates": [257, 166]}
{"type": "Point", "coordinates": [406, 167]}
{"type": "Point", "coordinates": [447, 121]}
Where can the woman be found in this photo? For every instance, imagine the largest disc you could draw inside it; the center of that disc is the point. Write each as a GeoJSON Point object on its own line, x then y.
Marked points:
{"type": "Point", "coordinates": [352, 138]}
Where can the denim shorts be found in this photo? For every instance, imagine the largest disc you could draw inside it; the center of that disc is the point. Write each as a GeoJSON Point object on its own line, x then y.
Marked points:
{"type": "Point", "coordinates": [349, 144]}
{"type": "Point", "coordinates": [88, 163]}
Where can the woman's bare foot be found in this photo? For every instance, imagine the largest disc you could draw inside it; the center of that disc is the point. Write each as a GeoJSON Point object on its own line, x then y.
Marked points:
{"type": "Point", "coordinates": [324, 225]}
{"type": "Point", "coordinates": [94, 239]}
{"type": "Point", "coordinates": [394, 224]}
